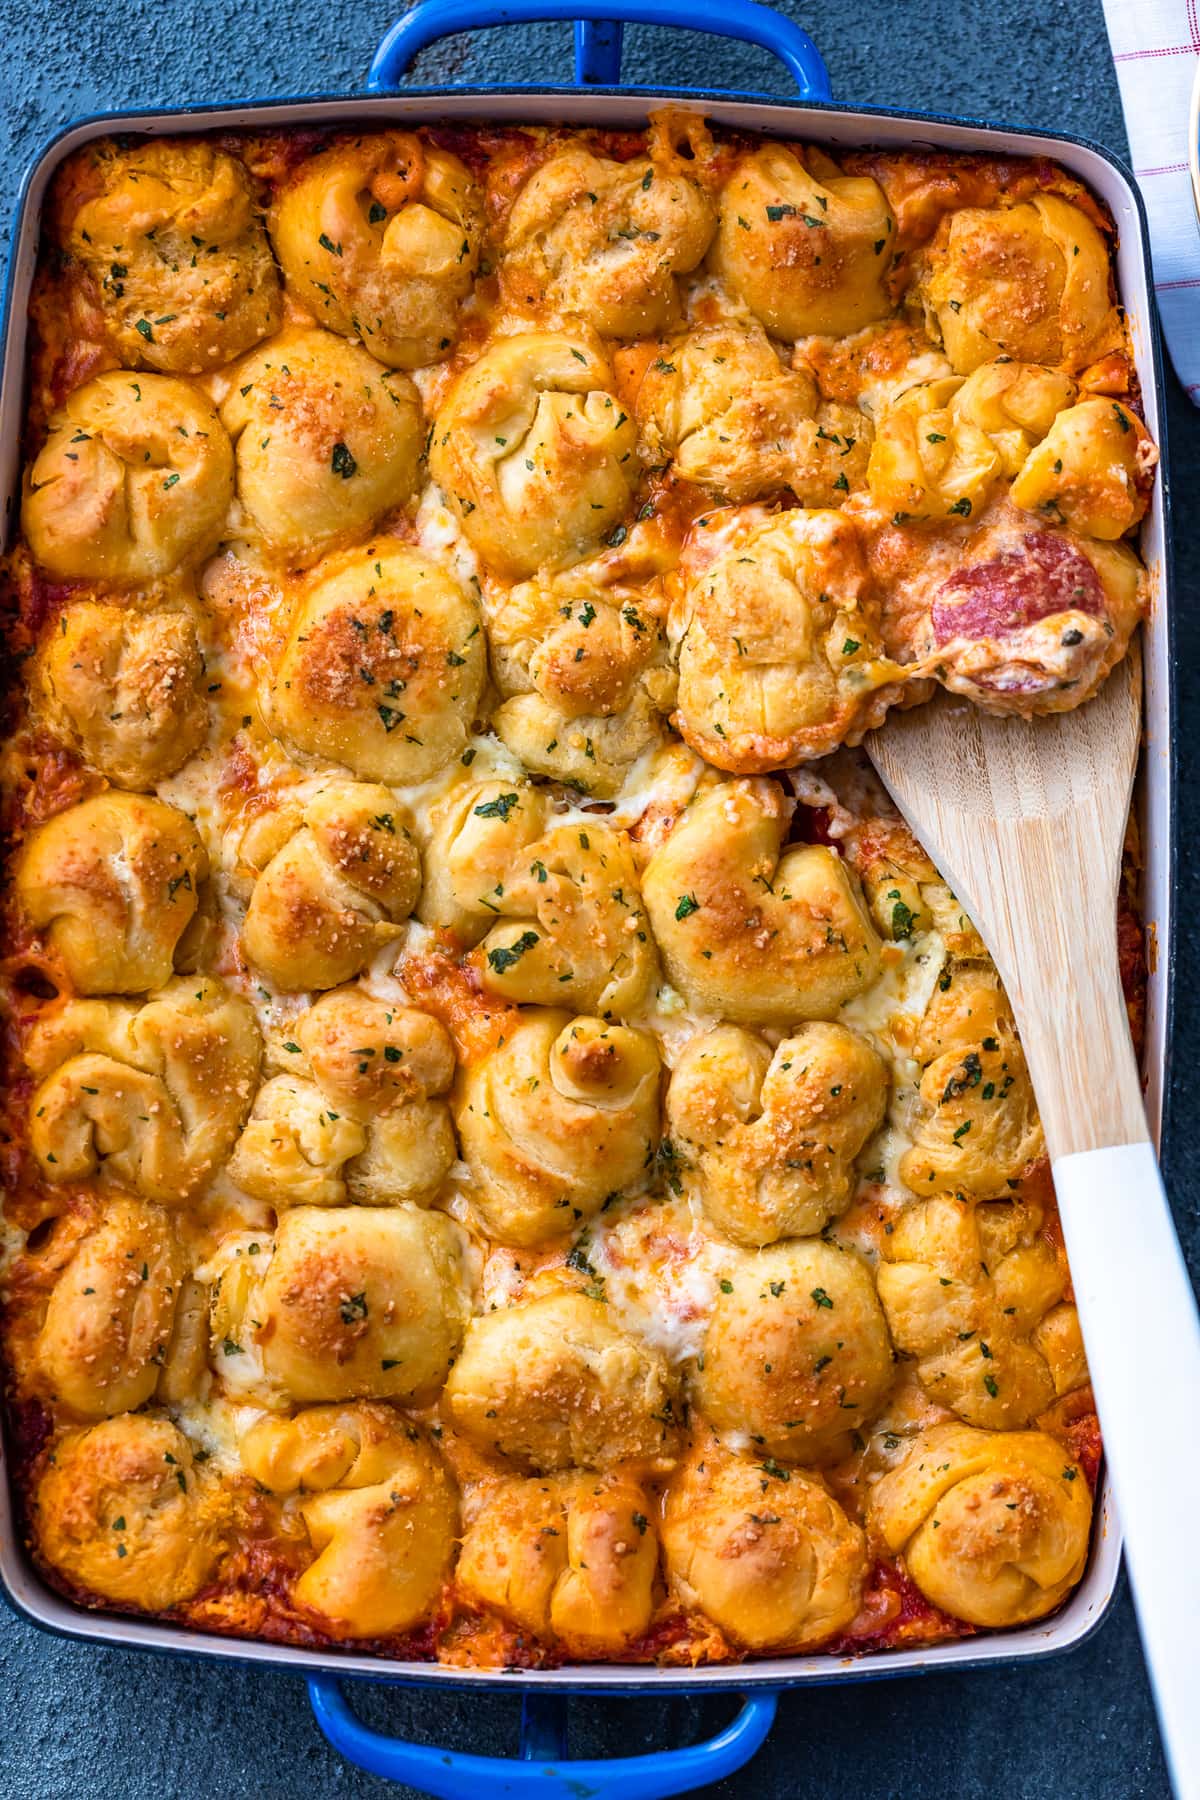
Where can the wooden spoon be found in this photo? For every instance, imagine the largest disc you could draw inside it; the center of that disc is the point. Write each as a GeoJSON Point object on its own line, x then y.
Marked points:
{"type": "Point", "coordinates": [1027, 822]}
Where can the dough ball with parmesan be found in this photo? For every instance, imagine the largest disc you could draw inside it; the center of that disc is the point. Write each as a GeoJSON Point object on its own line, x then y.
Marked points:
{"type": "Point", "coordinates": [976, 1293]}
{"type": "Point", "coordinates": [604, 241]}
{"type": "Point", "coordinates": [796, 1355]}
{"type": "Point", "coordinates": [383, 666]}
{"type": "Point", "coordinates": [124, 690]}
{"type": "Point", "coordinates": [327, 440]}
{"type": "Point", "coordinates": [125, 1513]}
{"type": "Point", "coordinates": [355, 1302]}
{"type": "Point", "coordinates": [571, 916]}
{"type": "Point", "coordinates": [767, 1141]}
{"type": "Point", "coordinates": [741, 423]}
{"type": "Point", "coordinates": [1029, 281]}
{"type": "Point", "coordinates": [145, 1096]}
{"type": "Point", "coordinates": [993, 1526]}
{"type": "Point", "coordinates": [378, 236]}
{"type": "Point", "coordinates": [571, 1559]}
{"type": "Point", "coordinates": [979, 1128]}
{"type": "Point", "coordinates": [534, 452]}
{"type": "Point", "coordinates": [1092, 471]}
{"type": "Point", "coordinates": [807, 248]}
{"type": "Point", "coordinates": [171, 234]}
{"type": "Point", "coordinates": [111, 1313]}
{"type": "Point", "coordinates": [471, 834]}
{"type": "Point", "coordinates": [749, 930]}
{"type": "Point", "coordinates": [778, 638]}
{"type": "Point", "coordinates": [770, 1557]}
{"type": "Point", "coordinates": [334, 883]}
{"type": "Point", "coordinates": [380, 1508]}
{"type": "Point", "coordinates": [555, 1383]}
{"type": "Point", "coordinates": [134, 480]}
{"type": "Point", "coordinates": [560, 1116]}
{"type": "Point", "coordinates": [112, 884]}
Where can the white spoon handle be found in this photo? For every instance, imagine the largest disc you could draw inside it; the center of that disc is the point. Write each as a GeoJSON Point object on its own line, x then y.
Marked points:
{"type": "Point", "coordinates": [1142, 1331]}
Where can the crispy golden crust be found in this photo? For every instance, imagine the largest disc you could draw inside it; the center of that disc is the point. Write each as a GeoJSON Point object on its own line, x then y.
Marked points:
{"type": "Point", "coordinates": [490, 1175]}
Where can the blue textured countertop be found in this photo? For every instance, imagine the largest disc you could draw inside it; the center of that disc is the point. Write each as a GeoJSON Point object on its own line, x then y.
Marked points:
{"type": "Point", "coordinates": [75, 1720]}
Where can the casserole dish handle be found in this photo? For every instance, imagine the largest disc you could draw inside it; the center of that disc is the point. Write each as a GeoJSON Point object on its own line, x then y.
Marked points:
{"type": "Point", "coordinates": [543, 1768]}
{"type": "Point", "coordinates": [598, 30]}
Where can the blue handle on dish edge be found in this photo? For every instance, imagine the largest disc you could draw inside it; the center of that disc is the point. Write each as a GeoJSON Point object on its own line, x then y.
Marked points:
{"type": "Point", "coordinates": [598, 34]}
{"type": "Point", "coordinates": [543, 1769]}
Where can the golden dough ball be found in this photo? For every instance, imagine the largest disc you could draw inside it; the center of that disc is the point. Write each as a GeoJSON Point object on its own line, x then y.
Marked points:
{"type": "Point", "coordinates": [554, 1384]}
{"type": "Point", "coordinates": [387, 1065]}
{"type": "Point", "coordinates": [110, 1315]}
{"type": "Point", "coordinates": [604, 241]}
{"type": "Point", "coordinates": [294, 1147]}
{"type": "Point", "coordinates": [780, 658]}
{"type": "Point", "coordinates": [767, 1142]}
{"type": "Point", "coordinates": [980, 1127]}
{"type": "Point", "coordinates": [1030, 281]}
{"type": "Point", "coordinates": [335, 892]}
{"type": "Point", "coordinates": [379, 238]}
{"type": "Point", "coordinates": [572, 1558]}
{"type": "Point", "coordinates": [112, 885]}
{"type": "Point", "coordinates": [371, 1055]}
{"type": "Point", "coordinates": [993, 1526]}
{"type": "Point", "coordinates": [381, 1512]}
{"type": "Point", "coordinates": [749, 931]}
{"type": "Point", "coordinates": [357, 1302]}
{"type": "Point", "coordinates": [593, 753]}
{"type": "Point", "coordinates": [1092, 471]}
{"type": "Point", "coordinates": [149, 1096]}
{"type": "Point", "coordinates": [124, 690]}
{"type": "Point", "coordinates": [135, 478]}
{"type": "Point", "coordinates": [1032, 619]}
{"type": "Point", "coordinates": [383, 666]}
{"type": "Point", "coordinates": [471, 835]}
{"type": "Point", "coordinates": [930, 463]}
{"type": "Point", "coordinates": [534, 453]}
{"type": "Point", "coordinates": [970, 1311]}
{"type": "Point", "coordinates": [807, 248]}
{"type": "Point", "coordinates": [737, 421]}
{"type": "Point", "coordinates": [767, 1555]}
{"type": "Point", "coordinates": [326, 441]}
{"type": "Point", "coordinates": [580, 645]}
{"type": "Point", "coordinates": [123, 1512]}
{"type": "Point", "coordinates": [559, 1117]}
{"type": "Point", "coordinates": [571, 917]}
{"type": "Point", "coordinates": [1016, 403]}
{"type": "Point", "coordinates": [172, 236]}
{"type": "Point", "coordinates": [586, 671]}
{"type": "Point", "coordinates": [796, 1354]}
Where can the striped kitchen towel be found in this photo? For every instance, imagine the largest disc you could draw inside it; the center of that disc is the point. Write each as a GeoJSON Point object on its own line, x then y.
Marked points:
{"type": "Point", "coordinates": [1156, 48]}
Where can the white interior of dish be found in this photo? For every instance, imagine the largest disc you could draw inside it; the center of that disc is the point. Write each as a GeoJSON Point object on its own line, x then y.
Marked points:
{"type": "Point", "coordinates": [1090, 1600]}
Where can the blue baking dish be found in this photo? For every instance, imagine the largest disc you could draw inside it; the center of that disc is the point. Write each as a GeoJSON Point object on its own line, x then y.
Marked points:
{"type": "Point", "coordinates": [596, 98]}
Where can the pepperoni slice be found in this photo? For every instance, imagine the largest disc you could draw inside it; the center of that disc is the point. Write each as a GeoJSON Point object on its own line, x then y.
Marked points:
{"type": "Point", "coordinates": [993, 599]}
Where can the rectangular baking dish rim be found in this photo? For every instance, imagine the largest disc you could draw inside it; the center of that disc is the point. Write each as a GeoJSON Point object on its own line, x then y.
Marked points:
{"type": "Point", "coordinates": [548, 103]}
